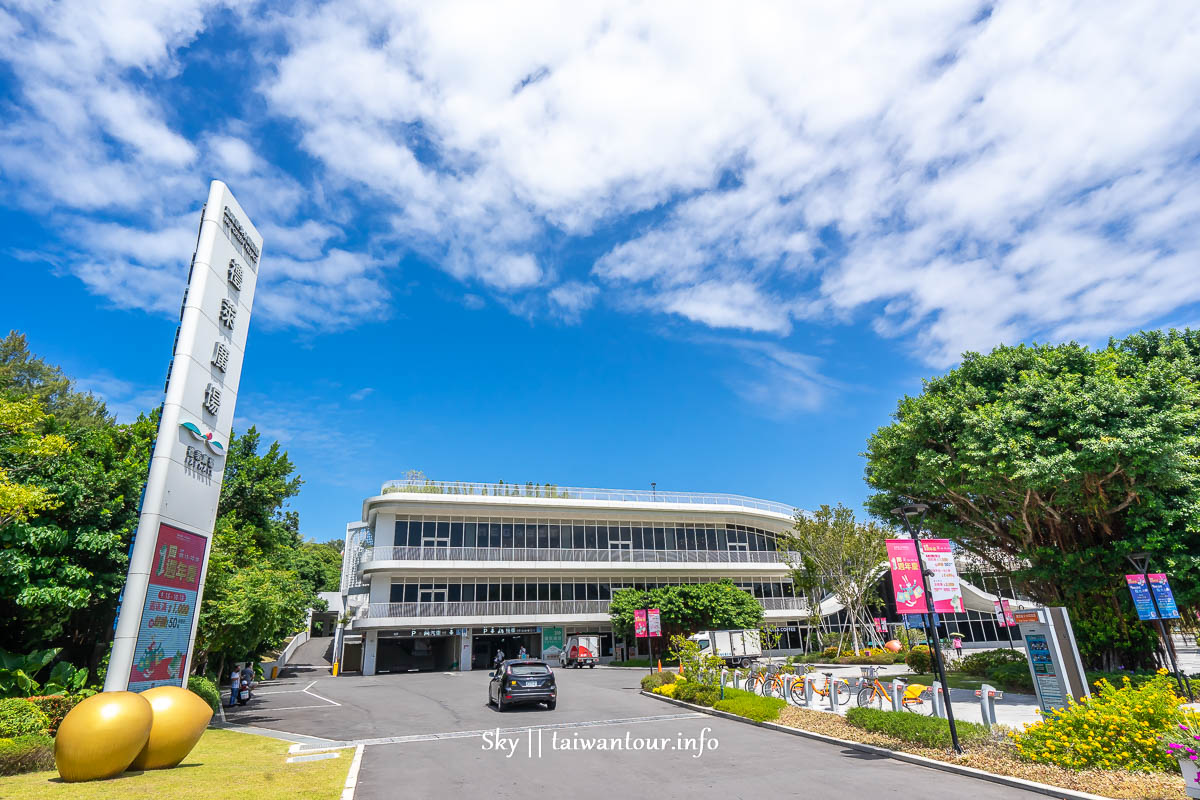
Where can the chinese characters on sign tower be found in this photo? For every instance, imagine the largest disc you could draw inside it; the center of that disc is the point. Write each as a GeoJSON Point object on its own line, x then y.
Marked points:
{"type": "Point", "coordinates": [654, 622]}
{"type": "Point", "coordinates": [156, 621]}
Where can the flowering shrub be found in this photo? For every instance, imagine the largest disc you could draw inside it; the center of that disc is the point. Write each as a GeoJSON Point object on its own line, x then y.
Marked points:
{"type": "Point", "coordinates": [1113, 729]}
{"type": "Point", "coordinates": [666, 690]}
{"type": "Point", "coordinates": [1184, 741]}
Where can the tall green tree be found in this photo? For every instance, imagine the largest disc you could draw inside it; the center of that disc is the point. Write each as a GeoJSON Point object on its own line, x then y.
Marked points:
{"type": "Point", "coordinates": [23, 374]}
{"type": "Point", "coordinates": [830, 548]}
{"type": "Point", "coordinates": [1059, 461]}
{"type": "Point", "coordinates": [688, 607]}
{"type": "Point", "coordinates": [63, 566]}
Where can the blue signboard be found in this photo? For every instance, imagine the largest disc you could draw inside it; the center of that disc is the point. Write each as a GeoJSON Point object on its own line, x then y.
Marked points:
{"type": "Point", "coordinates": [1162, 595]}
{"type": "Point", "coordinates": [1141, 596]}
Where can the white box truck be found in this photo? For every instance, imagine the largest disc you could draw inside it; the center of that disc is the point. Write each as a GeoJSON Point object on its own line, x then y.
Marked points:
{"type": "Point", "coordinates": [738, 648]}
{"type": "Point", "coordinates": [581, 651]}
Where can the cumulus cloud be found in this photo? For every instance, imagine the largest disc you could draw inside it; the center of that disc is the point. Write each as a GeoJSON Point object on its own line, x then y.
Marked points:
{"type": "Point", "coordinates": [953, 174]}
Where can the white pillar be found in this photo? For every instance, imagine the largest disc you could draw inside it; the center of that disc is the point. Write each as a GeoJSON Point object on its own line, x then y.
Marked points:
{"type": "Point", "coordinates": [464, 652]}
{"type": "Point", "coordinates": [370, 642]}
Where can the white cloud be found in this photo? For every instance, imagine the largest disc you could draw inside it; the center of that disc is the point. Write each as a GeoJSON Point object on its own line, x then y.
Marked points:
{"type": "Point", "coordinates": [957, 174]}
{"type": "Point", "coordinates": [125, 400]}
{"type": "Point", "coordinates": [569, 300]}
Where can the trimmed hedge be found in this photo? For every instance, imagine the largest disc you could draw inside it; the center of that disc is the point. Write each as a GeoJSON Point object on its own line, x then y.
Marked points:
{"type": "Point", "coordinates": [19, 717]}
{"type": "Point", "coordinates": [26, 754]}
{"type": "Point", "coordinates": [979, 664]}
{"type": "Point", "coordinates": [207, 690]}
{"type": "Point", "coordinates": [1012, 677]}
{"type": "Point", "coordinates": [56, 707]}
{"type": "Point", "coordinates": [749, 705]}
{"type": "Point", "coordinates": [913, 728]}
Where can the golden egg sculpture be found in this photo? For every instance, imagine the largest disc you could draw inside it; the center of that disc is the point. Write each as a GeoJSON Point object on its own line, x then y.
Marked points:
{"type": "Point", "coordinates": [100, 737]}
{"type": "Point", "coordinates": [180, 717]}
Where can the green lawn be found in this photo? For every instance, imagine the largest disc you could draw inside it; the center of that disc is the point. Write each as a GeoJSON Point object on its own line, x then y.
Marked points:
{"type": "Point", "coordinates": [223, 764]}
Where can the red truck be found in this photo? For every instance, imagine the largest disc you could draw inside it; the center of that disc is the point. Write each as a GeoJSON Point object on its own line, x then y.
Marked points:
{"type": "Point", "coordinates": [581, 651]}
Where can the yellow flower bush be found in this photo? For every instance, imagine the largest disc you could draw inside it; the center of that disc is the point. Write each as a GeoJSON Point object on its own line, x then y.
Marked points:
{"type": "Point", "coordinates": [667, 689]}
{"type": "Point", "coordinates": [1116, 728]}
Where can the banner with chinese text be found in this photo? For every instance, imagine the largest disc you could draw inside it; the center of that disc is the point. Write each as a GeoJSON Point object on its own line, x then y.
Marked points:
{"type": "Point", "coordinates": [906, 576]}
{"type": "Point", "coordinates": [170, 607]}
{"type": "Point", "coordinates": [943, 583]}
{"type": "Point", "coordinates": [654, 622]}
{"type": "Point", "coordinates": [639, 623]}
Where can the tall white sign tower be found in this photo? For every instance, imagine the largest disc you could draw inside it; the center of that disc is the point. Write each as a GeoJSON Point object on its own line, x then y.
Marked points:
{"type": "Point", "coordinates": [156, 624]}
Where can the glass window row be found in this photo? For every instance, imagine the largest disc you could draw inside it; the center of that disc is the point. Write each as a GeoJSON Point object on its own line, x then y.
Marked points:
{"type": "Point", "coordinates": [518, 588]}
{"type": "Point", "coordinates": [578, 534]}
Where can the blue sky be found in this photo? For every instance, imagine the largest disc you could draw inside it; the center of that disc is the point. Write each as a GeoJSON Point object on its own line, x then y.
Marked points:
{"type": "Point", "coordinates": [635, 243]}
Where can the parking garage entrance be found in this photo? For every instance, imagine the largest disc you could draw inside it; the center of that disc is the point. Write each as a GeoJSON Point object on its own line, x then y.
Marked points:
{"type": "Point", "coordinates": [416, 651]}
{"type": "Point", "coordinates": [486, 642]}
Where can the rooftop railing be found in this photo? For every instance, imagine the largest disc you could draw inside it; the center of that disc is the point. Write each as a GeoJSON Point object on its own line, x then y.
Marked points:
{"type": "Point", "coordinates": [483, 609]}
{"type": "Point", "coordinates": [579, 555]}
{"type": "Point", "coordinates": [552, 491]}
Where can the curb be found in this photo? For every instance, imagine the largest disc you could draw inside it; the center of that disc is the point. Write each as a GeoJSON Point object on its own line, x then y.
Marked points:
{"type": "Point", "coordinates": [921, 761]}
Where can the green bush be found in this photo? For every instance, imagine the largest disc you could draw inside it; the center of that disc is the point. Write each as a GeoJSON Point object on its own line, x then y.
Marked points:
{"type": "Point", "coordinates": [207, 690]}
{"type": "Point", "coordinates": [1011, 678]}
{"type": "Point", "coordinates": [918, 659]}
{"type": "Point", "coordinates": [899, 658]}
{"type": "Point", "coordinates": [696, 692]}
{"type": "Point", "coordinates": [978, 664]}
{"type": "Point", "coordinates": [19, 717]}
{"type": "Point", "coordinates": [652, 682]}
{"type": "Point", "coordinates": [26, 754]}
{"type": "Point", "coordinates": [56, 707]}
{"type": "Point", "coordinates": [914, 728]}
{"type": "Point", "coordinates": [749, 705]}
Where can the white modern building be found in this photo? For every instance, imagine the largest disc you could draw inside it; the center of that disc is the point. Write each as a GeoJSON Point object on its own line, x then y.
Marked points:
{"type": "Point", "coordinates": [442, 575]}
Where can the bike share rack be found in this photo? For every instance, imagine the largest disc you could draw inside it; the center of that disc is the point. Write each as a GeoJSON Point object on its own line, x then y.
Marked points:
{"type": "Point", "coordinates": [988, 695]}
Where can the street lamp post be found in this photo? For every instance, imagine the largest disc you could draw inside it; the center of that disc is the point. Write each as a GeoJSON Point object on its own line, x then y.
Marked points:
{"type": "Point", "coordinates": [905, 513]}
{"type": "Point", "coordinates": [1141, 562]}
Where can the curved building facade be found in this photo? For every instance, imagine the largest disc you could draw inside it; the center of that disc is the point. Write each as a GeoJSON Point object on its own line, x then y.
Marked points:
{"type": "Point", "coordinates": [442, 576]}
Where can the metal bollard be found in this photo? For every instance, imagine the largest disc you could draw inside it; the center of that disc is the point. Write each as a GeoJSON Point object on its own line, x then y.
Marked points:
{"type": "Point", "coordinates": [988, 696]}
{"type": "Point", "coordinates": [724, 676]}
{"type": "Point", "coordinates": [810, 686]}
{"type": "Point", "coordinates": [898, 687]}
{"type": "Point", "coordinates": [939, 700]}
{"type": "Point", "coordinates": [788, 682]}
{"type": "Point", "coordinates": [833, 684]}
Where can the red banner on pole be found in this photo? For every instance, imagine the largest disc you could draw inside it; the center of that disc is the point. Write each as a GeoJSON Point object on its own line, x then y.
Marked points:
{"type": "Point", "coordinates": [906, 576]}
{"type": "Point", "coordinates": [640, 626]}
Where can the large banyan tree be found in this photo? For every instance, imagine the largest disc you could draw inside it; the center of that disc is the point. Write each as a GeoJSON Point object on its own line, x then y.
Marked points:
{"type": "Point", "coordinates": [1061, 461]}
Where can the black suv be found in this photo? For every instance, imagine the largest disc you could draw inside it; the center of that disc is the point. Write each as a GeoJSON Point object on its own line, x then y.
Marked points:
{"type": "Point", "coordinates": [522, 680]}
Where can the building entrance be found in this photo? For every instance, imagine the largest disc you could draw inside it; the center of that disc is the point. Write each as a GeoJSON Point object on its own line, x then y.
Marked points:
{"type": "Point", "coordinates": [484, 647]}
{"type": "Point", "coordinates": [408, 654]}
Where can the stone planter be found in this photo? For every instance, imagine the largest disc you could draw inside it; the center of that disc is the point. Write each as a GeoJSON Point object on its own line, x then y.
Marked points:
{"type": "Point", "coordinates": [1189, 770]}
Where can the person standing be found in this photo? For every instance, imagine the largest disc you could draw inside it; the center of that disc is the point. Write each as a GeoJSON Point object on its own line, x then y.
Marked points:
{"type": "Point", "coordinates": [499, 657]}
{"type": "Point", "coordinates": [524, 653]}
{"type": "Point", "coordinates": [248, 678]}
{"type": "Point", "coordinates": [235, 682]}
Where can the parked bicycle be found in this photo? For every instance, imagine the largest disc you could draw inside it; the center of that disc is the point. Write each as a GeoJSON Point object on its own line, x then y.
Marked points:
{"type": "Point", "coordinates": [873, 695]}
{"type": "Point", "coordinates": [840, 687]}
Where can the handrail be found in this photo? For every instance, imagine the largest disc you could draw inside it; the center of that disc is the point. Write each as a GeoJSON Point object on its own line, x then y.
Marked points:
{"type": "Point", "coordinates": [484, 608]}
{"type": "Point", "coordinates": [554, 492]}
{"type": "Point", "coordinates": [409, 553]}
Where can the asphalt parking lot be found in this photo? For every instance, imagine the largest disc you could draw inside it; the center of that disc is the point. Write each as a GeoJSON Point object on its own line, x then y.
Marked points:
{"type": "Point", "coordinates": [433, 735]}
